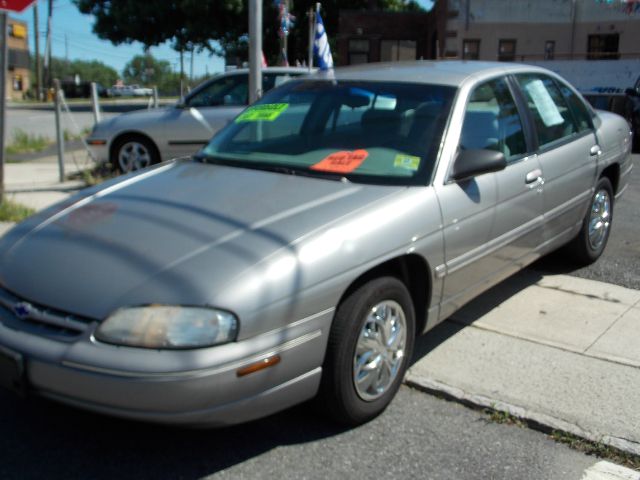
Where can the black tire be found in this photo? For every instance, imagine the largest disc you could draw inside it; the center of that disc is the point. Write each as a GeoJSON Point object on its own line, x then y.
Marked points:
{"type": "Point", "coordinates": [138, 146]}
{"type": "Point", "coordinates": [583, 250]}
{"type": "Point", "coordinates": [339, 396]}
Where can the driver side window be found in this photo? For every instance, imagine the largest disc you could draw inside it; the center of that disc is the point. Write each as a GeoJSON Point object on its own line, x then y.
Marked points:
{"type": "Point", "coordinates": [230, 90]}
{"type": "Point", "coordinates": [492, 121]}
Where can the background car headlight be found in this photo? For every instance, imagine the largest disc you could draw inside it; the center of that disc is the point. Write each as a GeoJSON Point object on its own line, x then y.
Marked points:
{"type": "Point", "coordinates": [168, 327]}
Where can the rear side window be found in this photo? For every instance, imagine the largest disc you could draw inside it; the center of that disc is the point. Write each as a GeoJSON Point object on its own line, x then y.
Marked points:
{"type": "Point", "coordinates": [577, 107]}
{"type": "Point", "coordinates": [492, 121]}
{"type": "Point", "coordinates": [229, 90]}
{"type": "Point", "coordinates": [552, 117]}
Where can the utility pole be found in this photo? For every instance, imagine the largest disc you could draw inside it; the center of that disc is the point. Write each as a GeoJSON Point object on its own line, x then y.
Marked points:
{"type": "Point", "coordinates": [255, 50]}
{"type": "Point", "coordinates": [3, 92]}
{"type": "Point", "coordinates": [49, 48]}
{"type": "Point", "coordinates": [181, 72]}
{"type": "Point", "coordinates": [574, 8]}
{"type": "Point", "coordinates": [191, 69]}
{"type": "Point", "coordinates": [312, 35]}
{"type": "Point", "coordinates": [36, 32]}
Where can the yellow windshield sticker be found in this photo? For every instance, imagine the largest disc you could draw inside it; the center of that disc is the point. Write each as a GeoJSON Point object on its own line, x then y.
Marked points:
{"type": "Point", "coordinates": [408, 162]}
{"type": "Point", "coordinates": [267, 112]}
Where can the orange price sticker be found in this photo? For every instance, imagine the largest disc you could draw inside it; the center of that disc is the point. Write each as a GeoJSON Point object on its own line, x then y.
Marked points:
{"type": "Point", "coordinates": [341, 162]}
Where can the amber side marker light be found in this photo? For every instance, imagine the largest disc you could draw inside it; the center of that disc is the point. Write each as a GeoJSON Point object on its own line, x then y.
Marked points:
{"type": "Point", "coordinates": [97, 142]}
{"type": "Point", "coordinates": [257, 366]}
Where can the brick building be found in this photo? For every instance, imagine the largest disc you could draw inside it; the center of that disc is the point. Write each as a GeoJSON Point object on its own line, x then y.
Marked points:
{"type": "Point", "coordinates": [506, 30]}
{"type": "Point", "coordinates": [18, 72]}
{"type": "Point", "coordinates": [521, 30]}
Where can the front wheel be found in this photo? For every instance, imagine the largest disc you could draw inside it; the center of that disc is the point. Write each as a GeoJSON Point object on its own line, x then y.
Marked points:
{"type": "Point", "coordinates": [134, 153]}
{"type": "Point", "coordinates": [590, 242]}
{"type": "Point", "coordinates": [370, 346]}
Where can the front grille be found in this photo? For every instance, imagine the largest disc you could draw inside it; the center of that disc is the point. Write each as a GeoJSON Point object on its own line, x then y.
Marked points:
{"type": "Point", "coordinates": [47, 319]}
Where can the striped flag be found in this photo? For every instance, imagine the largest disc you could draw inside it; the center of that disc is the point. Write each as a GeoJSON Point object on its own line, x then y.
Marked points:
{"type": "Point", "coordinates": [321, 48]}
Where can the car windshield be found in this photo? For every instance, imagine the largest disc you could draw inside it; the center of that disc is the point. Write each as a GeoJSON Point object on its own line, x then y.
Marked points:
{"type": "Point", "coordinates": [380, 132]}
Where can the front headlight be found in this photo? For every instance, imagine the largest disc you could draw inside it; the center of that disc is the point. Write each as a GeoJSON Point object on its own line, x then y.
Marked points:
{"type": "Point", "coordinates": [168, 327]}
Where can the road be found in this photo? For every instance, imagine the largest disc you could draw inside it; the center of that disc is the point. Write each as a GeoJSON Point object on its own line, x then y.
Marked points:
{"type": "Point", "coordinates": [419, 436]}
{"type": "Point", "coordinates": [41, 120]}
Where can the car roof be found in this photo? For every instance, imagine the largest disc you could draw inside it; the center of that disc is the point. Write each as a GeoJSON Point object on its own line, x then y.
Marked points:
{"type": "Point", "coordinates": [300, 70]}
{"type": "Point", "coordinates": [442, 72]}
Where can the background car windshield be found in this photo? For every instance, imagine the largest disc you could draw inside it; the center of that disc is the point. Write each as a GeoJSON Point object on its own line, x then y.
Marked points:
{"type": "Point", "coordinates": [369, 130]}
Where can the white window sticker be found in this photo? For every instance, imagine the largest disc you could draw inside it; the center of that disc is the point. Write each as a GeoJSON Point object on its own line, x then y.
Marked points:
{"type": "Point", "coordinates": [544, 103]}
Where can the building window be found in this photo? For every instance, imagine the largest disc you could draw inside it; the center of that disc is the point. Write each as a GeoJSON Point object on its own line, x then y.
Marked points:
{"type": "Point", "coordinates": [358, 51]}
{"type": "Point", "coordinates": [506, 50]}
{"type": "Point", "coordinates": [397, 50]}
{"type": "Point", "coordinates": [549, 50]}
{"type": "Point", "coordinates": [471, 49]}
{"type": "Point", "coordinates": [603, 47]}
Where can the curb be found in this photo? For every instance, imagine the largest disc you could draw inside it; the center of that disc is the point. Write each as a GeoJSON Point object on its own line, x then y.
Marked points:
{"type": "Point", "coordinates": [537, 420]}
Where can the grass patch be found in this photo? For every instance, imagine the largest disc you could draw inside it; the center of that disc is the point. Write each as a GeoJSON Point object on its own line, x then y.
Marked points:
{"type": "Point", "coordinates": [14, 212]}
{"type": "Point", "coordinates": [24, 142]}
{"type": "Point", "coordinates": [68, 135]}
{"type": "Point", "coordinates": [498, 416]}
{"type": "Point", "coordinates": [96, 175]}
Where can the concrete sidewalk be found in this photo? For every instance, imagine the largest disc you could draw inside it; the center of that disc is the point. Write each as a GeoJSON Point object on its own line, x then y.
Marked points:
{"type": "Point", "coordinates": [560, 351]}
{"type": "Point", "coordinates": [36, 183]}
{"type": "Point", "coordinates": [557, 350]}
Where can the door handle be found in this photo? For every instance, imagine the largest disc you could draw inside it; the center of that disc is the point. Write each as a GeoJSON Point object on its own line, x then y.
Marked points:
{"type": "Point", "coordinates": [534, 176]}
{"type": "Point", "coordinates": [595, 151]}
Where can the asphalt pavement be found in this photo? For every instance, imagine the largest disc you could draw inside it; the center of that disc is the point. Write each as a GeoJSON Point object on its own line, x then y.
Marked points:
{"type": "Point", "coordinates": [559, 350]}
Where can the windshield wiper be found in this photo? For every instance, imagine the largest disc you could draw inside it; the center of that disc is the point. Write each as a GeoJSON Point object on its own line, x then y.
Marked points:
{"type": "Point", "coordinates": [269, 167]}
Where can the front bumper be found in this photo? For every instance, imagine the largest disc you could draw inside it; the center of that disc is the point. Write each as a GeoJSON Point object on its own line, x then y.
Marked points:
{"type": "Point", "coordinates": [190, 387]}
{"type": "Point", "coordinates": [99, 149]}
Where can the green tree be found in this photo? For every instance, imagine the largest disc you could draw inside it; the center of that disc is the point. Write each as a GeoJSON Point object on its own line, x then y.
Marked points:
{"type": "Point", "coordinates": [146, 70]}
{"type": "Point", "coordinates": [217, 26]}
{"type": "Point", "coordinates": [149, 71]}
{"type": "Point", "coordinates": [185, 23]}
{"type": "Point", "coordinates": [89, 71]}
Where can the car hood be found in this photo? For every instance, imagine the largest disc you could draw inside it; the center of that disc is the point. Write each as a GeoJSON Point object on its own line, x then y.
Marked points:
{"type": "Point", "coordinates": [136, 117]}
{"type": "Point", "coordinates": [175, 234]}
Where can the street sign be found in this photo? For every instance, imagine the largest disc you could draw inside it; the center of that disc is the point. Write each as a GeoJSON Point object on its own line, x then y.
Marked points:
{"type": "Point", "coordinates": [16, 6]}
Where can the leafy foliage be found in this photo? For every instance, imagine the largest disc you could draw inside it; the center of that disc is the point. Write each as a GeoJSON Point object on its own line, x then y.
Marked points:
{"type": "Point", "coordinates": [217, 26]}
{"type": "Point", "coordinates": [90, 71]}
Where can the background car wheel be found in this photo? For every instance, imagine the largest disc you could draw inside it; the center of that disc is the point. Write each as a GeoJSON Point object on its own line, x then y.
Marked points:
{"type": "Point", "coordinates": [133, 153]}
{"type": "Point", "coordinates": [589, 244]}
{"type": "Point", "coordinates": [370, 346]}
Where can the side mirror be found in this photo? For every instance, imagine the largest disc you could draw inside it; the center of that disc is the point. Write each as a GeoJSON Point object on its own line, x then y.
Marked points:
{"type": "Point", "coordinates": [471, 163]}
{"type": "Point", "coordinates": [181, 103]}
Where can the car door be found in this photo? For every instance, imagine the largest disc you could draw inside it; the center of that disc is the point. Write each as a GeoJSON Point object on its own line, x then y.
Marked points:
{"type": "Point", "coordinates": [567, 151]}
{"type": "Point", "coordinates": [190, 126]}
{"type": "Point", "coordinates": [492, 222]}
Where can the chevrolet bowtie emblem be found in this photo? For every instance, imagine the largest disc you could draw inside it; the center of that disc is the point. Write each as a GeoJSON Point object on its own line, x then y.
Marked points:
{"type": "Point", "coordinates": [22, 310]}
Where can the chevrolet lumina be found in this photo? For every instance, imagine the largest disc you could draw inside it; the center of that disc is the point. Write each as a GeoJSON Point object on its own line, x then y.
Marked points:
{"type": "Point", "coordinates": [301, 251]}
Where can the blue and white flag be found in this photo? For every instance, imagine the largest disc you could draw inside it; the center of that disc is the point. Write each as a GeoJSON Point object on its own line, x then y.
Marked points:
{"type": "Point", "coordinates": [321, 49]}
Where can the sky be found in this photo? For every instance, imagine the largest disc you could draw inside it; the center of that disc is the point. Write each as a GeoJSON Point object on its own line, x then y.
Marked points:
{"type": "Point", "coordinates": [72, 37]}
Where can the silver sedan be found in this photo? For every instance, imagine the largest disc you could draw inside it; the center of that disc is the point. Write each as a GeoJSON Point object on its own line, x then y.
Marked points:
{"type": "Point", "coordinates": [303, 249]}
{"type": "Point", "coordinates": [141, 138]}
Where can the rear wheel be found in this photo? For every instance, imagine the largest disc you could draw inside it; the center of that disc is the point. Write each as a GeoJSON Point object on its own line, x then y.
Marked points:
{"type": "Point", "coordinates": [133, 153]}
{"type": "Point", "coordinates": [590, 242]}
{"type": "Point", "coordinates": [370, 345]}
